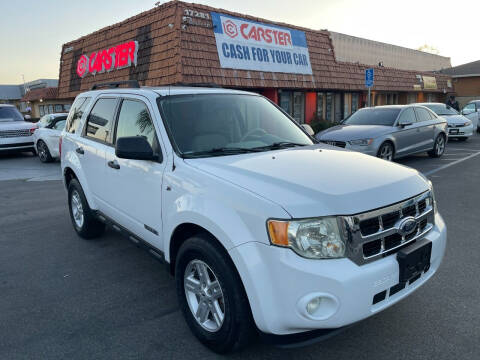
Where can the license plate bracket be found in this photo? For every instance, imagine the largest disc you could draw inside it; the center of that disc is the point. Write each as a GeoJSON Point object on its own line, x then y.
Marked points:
{"type": "Point", "coordinates": [414, 259]}
{"type": "Point", "coordinates": [454, 131]}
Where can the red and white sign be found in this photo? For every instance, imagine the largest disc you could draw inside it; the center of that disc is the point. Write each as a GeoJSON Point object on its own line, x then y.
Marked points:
{"type": "Point", "coordinates": [116, 57]}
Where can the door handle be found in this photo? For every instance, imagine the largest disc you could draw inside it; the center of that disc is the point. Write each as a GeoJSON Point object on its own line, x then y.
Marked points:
{"type": "Point", "coordinates": [114, 164]}
{"type": "Point", "coordinates": [80, 151]}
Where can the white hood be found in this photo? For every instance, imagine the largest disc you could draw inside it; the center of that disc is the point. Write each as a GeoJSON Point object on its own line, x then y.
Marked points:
{"type": "Point", "coordinates": [317, 180]}
{"type": "Point", "coordinates": [16, 125]}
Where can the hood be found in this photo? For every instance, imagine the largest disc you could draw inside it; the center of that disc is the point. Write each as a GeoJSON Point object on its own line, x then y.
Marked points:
{"type": "Point", "coordinates": [16, 125]}
{"type": "Point", "coordinates": [455, 119]}
{"type": "Point", "coordinates": [353, 132]}
{"type": "Point", "coordinates": [317, 180]}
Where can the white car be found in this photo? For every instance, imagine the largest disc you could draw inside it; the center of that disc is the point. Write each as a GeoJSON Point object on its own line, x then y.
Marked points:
{"type": "Point", "coordinates": [261, 227]}
{"type": "Point", "coordinates": [459, 126]}
{"type": "Point", "coordinates": [47, 136]}
{"type": "Point", "coordinates": [16, 134]}
{"type": "Point", "coordinates": [472, 112]}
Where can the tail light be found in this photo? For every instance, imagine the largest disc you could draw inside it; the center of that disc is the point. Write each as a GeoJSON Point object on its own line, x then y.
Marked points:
{"type": "Point", "coordinates": [60, 145]}
{"type": "Point", "coordinates": [32, 130]}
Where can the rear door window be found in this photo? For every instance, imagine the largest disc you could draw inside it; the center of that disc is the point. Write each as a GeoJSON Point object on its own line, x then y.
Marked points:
{"type": "Point", "coordinates": [76, 113]}
{"type": "Point", "coordinates": [100, 119]}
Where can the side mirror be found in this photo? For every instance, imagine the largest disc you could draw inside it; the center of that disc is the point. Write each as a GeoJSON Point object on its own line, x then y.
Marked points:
{"type": "Point", "coordinates": [27, 117]}
{"type": "Point", "coordinates": [404, 122]}
{"type": "Point", "coordinates": [134, 147]}
{"type": "Point", "coordinates": [308, 129]}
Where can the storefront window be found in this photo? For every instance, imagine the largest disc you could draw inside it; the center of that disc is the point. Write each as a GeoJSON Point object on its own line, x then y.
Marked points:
{"type": "Point", "coordinates": [411, 98]}
{"type": "Point", "coordinates": [299, 106]}
{"type": "Point", "coordinates": [50, 109]}
{"type": "Point", "coordinates": [329, 107]}
{"type": "Point", "coordinates": [286, 101]}
{"type": "Point", "coordinates": [67, 107]}
{"type": "Point", "coordinates": [355, 98]}
{"type": "Point", "coordinates": [41, 110]}
{"type": "Point", "coordinates": [320, 97]}
{"type": "Point", "coordinates": [58, 108]}
{"type": "Point", "coordinates": [338, 105]}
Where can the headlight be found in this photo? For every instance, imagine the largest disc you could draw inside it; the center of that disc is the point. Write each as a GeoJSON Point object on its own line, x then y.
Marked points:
{"type": "Point", "coordinates": [434, 202]}
{"type": "Point", "coordinates": [361, 142]}
{"type": "Point", "coordinates": [318, 238]}
{"type": "Point", "coordinates": [467, 123]}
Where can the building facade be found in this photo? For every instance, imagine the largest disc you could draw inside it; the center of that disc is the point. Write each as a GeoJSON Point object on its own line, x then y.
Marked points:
{"type": "Point", "coordinates": [43, 101]}
{"type": "Point", "coordinates": [354, 49]}
{"type": "Point", "coordinates": [466, 79]}
{"type": "Point", "coordinates": [180, 43]}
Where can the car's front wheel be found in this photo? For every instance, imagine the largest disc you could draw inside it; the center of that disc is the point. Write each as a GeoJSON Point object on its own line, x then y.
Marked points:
{"type": "Point", "coordinates": [43, 152]}
{"type": "Point", "coordinates": [438, 146]}
{"type": "Point", "coordinates": [84, 221]}
{"type": "Point", "coordinates": [386, 151]}
{"type": "Point", "coordinates": [211, 295]}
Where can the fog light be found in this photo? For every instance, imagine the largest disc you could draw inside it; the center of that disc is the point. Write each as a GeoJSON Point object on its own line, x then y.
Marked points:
{"type": "Point", "coordinates": [313, 305]}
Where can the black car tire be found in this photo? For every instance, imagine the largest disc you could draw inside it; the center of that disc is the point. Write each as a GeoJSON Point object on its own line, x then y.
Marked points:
{"type": "Point", "coordinates": [43, 152]}
{"type": "Point", "coordinates": [436, 151]}
{"type": "Point", "coordinates": [90, 227]}
{"type": "Point", "coordinates": [237, 328]}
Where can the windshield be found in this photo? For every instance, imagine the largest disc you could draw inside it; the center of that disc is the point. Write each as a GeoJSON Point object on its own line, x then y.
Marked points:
{"type": "Point", "coordinates": [10, 113]}
{"type": "Point", "coordinates": [374, 116]}
{"type": "Point", "coordinates": [441, 109]}
{"type": "Point", "coordinates": [226, 124]}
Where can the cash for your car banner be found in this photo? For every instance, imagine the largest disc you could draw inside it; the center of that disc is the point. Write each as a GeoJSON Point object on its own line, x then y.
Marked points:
{"type": "Point", "coordinates": [248, 45]}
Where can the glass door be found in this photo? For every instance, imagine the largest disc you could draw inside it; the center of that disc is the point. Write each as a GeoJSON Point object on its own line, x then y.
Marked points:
{"type": "Point", "coordinates": [299, 106]}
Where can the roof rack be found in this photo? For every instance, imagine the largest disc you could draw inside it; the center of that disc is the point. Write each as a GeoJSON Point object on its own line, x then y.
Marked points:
{"type": "Point", "coordinates": [115, 84]}
{"type": "Point", "coordinates": [210, 85]}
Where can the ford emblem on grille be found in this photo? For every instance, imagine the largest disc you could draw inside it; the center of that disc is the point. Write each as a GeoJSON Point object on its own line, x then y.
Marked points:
{"type": "Point", "coordinates": [407, 226]}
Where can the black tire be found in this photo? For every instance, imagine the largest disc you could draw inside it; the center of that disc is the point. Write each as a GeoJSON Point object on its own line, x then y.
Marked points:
{"type": "Point", "coordinates": [43, 152]}
{"type": "Point", "coordinates": [462, 139]}
{"type": "Point", "coordinates": [90, 227]}
{"type": "Point", "coordinates": [237, 328]}
{"type": "Point", "coordinates": [436, 151]}
{"type": "Point", "coordinates": [386, 151]}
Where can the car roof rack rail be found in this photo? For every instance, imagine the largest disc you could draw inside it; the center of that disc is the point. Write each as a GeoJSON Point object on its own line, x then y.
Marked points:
{"type": "Point", "coordinates": [115, 84]}
{"type": "Point", "coordinates": [206, 84]}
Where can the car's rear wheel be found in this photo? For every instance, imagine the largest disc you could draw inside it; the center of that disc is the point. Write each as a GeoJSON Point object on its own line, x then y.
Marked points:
{"type": "Point", "coordinates": [43, 152]}
{"type": "Point", "coordinates": [438, 146]}
{"type": "Point", "coordinates": [386, 151]}
{"type": "Point", "coordinates": [83, 218]}
{"type": "Point", "coordinates": [211, 295]}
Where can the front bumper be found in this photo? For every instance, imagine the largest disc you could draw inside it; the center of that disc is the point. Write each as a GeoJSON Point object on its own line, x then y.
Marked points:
{"type": "Point", "coordinates": [465, 131]}
{"type": "Point", "coordinates": [278, 283]}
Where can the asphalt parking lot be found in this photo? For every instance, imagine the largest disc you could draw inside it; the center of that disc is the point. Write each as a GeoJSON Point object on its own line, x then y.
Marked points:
{"type": "Point", "coordinates": [64, 297]}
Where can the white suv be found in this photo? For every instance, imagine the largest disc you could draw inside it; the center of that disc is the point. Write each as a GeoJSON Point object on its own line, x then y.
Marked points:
{"type": "Point", "coordinates": [262, 228]}
{"type": "Point", "coordinates": [16, 134]}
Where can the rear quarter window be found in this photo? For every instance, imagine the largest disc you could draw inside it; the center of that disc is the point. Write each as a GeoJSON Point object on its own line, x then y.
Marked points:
{"type": "Point", "coordinates": [76, 113]}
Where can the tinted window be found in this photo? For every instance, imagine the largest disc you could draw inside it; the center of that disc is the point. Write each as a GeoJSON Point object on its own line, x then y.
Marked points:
{"type": "Point", "coordinates": [374, 116]}
{"type": "Point", "coordinates": [76, 113]}
{"type": "Point", "coordinates": [134, 120]}
{"type": "Point", "coordinates": [60, 125]}
{"type": "Point", "coordinates": [407, 116]}
{"type": "Point", "coordinates": [441, 109]}
{"type": "Point", "coordinates": [10, 113]}
{"type": "Point", "coordinates": [201, 123]}
{"type": "Point", "coordinates": [45, 121]}
{"type": "Point", "coordinates": [100, 119]}
{"type": "Point", "coordinates": [423, 115]}
{"type": "Point", "coordinates": [469, 108]}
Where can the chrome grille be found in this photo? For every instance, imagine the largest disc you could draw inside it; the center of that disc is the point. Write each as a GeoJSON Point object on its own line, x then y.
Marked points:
{"type": "Point", "coordinates": [14, 133]}
{"type": "Point", "coordinates": [374, 234]}
{"type": "Point", "coordinates": [341, 144]}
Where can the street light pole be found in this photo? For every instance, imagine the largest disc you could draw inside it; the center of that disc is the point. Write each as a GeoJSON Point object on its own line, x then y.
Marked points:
{"type": "Point", "coordinates": [24, 87]}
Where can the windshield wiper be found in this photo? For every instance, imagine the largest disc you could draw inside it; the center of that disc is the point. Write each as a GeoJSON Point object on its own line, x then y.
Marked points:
{"type": "Point", "coordinates": [219, 152]}
{"type": "Point", "coordinates": [279, 145]}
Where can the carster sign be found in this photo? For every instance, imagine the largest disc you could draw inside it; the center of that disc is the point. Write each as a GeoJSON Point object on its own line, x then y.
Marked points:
{"type": "Point", "coordinates": [248, 45]}
{"type": "Point", "coordinates": [116, 57]}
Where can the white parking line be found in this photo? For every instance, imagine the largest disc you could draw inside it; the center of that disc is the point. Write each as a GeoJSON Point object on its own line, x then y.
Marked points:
{"type": "Point", "coordinates": [450, 164]}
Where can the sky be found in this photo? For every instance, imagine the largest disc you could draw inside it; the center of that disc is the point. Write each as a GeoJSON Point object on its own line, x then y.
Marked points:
{"type": "Point", "coordinates": [33, 31]}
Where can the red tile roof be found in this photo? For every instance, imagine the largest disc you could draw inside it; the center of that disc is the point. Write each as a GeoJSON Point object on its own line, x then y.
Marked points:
{"type": "Point", "coordinates": [44, 94]}
{"type": "Point", "coordinates": [171, 52]}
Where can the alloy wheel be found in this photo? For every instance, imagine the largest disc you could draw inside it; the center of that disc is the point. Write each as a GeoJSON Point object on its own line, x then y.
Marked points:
{"type": "Point", "coordinates": [204, 295]}
{"type": "Point", "coordinates": [440, 147]}
{"type": "Point", "coordinates": [42, 151]}
{"type": "Point", "coordinates": [386, 152]}
{"type": "Point", "coordinates": [77, 209]}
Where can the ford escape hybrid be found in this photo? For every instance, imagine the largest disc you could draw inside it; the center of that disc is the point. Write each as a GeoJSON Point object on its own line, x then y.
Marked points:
{"type": "Point", "coordinates": [263, 229]}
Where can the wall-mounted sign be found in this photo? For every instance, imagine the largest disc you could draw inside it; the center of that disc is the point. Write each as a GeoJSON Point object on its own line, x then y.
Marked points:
{"type": "Point", "coordinates": [248, 45]}
{"type": "Point", "coordinates": [116, 57]}
{"type": "Point", "coordinates": [429, 82]}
